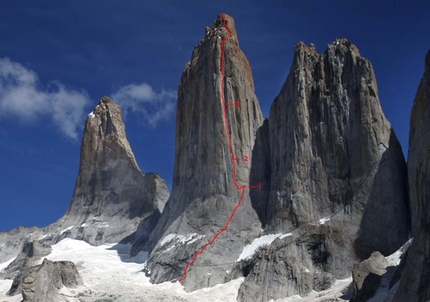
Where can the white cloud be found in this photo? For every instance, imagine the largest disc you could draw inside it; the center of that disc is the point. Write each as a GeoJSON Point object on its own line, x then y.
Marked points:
{"type": "Point", "coordinates": [142, 99]}
{"type": "Point", "coordinates": [21, 97]}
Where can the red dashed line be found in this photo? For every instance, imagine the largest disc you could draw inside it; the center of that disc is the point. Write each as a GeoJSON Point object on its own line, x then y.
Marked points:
{"type": "Point", "coordinates": [233, 158]}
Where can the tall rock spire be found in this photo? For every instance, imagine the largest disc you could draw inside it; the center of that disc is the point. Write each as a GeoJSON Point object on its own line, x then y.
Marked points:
{"type": "Point", "coordinates": [215, 120]}
{"type": "Point", "coordinates": [338, 182]}
{"type": "Point", "coordinates": [202, 146]}
{"type": "Point", "coordinates": [111, 194]}
{"type": "Point", "coordinates": [333, 150]}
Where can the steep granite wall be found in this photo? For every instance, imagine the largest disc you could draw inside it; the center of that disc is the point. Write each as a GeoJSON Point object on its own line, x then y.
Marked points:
{"type": "Point", "coordinates": [205, 190]}
{"type": "Point", "coordinates": [338, 181]}
{"type": "Point", "coordinates": [415, 282]}
{"type": "Point", "coordinates": [112, 196]}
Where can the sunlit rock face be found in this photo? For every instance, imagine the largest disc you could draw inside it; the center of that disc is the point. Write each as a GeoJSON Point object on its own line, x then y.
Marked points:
{"type": "Point", "coordinates": [338, 176]}
{"type": "Point", "coordinates": [205, 189]}
{"type": "Point", "coordinates": [112, 195]}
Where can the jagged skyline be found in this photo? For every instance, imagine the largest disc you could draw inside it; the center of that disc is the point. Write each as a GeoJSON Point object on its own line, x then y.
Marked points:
{"type": "Point", "coordinates": [94, 57]}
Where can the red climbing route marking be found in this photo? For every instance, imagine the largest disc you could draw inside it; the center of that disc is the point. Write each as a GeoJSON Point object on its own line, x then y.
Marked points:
{"type": "Point", "coordinates": [236, 104]}
{"type": "Point", "coordinates": [234, 159]}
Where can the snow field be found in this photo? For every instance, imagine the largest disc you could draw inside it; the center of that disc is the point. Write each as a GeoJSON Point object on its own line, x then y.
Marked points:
{"type": "Point", "coordinates": [108, 270]}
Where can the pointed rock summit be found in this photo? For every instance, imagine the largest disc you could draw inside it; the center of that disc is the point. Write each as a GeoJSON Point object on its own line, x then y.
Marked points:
{"type": "Point", "coordinates": [206, 180]}
{"type": "Point", "coordinates": [415, 282]}
{"type": "Point", "coordinates": [338, 181]}
{"type": "Point", "coordinates": [334, 152]}
{"type": "Point", "coordinates": [290, 205]}
{"type": "Point", "coordinates": [111, 195]}
{"type": "Point", "coordinates": [113, 201]}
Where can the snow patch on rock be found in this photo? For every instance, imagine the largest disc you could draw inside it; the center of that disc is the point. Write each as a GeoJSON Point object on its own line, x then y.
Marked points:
{"type": "Point", "coordinates": [66, 229]}
{"type": "Point", "coordinates": [324, 220]}
{"type": "Point", "coordinates": [182, 239]}
{"type": "Point", "coordinates": [4, 288]}
{"type": "Point", "coordinates": [6, 264]}
{"type": "Point", "coordinates": [259, 242]}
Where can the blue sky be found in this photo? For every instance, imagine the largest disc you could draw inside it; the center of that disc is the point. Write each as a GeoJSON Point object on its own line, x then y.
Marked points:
{"type": "Point", "coordinates": [58, 58]}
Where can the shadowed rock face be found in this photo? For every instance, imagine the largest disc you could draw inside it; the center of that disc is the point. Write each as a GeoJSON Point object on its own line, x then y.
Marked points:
{"type": "Point", "coordinates": [415, 281]}
{"type": "Point", "coordinates": [204, 193]}
{"type": "Point", "coordinates": [338, 179]}
{"type": "Point", "coordinates": [111, 195]}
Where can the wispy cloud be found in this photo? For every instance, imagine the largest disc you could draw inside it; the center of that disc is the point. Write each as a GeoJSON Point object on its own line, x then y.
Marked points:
{"type": "Point", "coordinates": [21, 96]}
{"type": "Point", "coordinates": [153, 106]}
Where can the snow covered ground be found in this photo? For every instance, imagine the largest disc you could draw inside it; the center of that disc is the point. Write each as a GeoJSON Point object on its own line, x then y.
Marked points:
{"type": "Point", "coordinates": [5, 264]}
{"type": "Point", "coordinates": [331, 294]}
{"type": "Point", "coordinates": [110, 275]}
{"type": "Point", "coordinates": [4, 288]}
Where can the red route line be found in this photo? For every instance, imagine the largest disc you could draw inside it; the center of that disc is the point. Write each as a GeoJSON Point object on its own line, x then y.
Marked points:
{"type": "Point", "coordinates": [233, 159]}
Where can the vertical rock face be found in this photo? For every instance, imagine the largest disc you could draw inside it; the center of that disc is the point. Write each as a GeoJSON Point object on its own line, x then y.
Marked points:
{"type": "Point", "coordinates": [415, 281]}
{"type": "Point", "coordinates": [204, 190]}
{"type": "Point", "coordinates": [111, 195]}
{"type": "Point", "coordinates": [338, 179]}
{"type": "Point", "coordinates": [334, 153]}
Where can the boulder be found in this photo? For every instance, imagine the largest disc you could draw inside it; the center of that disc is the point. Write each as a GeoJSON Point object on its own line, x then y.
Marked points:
{"type": "Point", "coordinates": [41, 283]}
{"type": "Point", "coordinates": [367, 277]}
